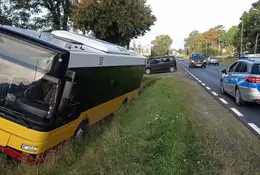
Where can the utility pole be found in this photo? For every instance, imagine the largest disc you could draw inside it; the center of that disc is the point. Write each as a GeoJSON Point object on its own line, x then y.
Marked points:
{"type": "Point", "coordinates": [218, 45]}
{"type": "Point", "coordinates": [256, 42]}
{"type": "Point", "coordinates": [206, 48]}
{"type": "Point", "coordinates": [256, 39]}
{"type": "Point", "coordinates": [241, 39]}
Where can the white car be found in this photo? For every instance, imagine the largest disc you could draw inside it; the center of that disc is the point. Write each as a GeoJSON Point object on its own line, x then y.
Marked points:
{"type": "Point", "coordinates": [180, 58]}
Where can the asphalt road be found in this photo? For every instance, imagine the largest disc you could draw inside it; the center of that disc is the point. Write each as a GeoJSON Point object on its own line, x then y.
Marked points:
{"type": "Point", "coordinates": [210, 76]}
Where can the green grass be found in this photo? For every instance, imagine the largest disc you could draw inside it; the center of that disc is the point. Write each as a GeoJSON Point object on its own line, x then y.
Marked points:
{"type": "Point", "coordinates": [227, 61]}
{"type": "Point", "coordinates": [151, 135]}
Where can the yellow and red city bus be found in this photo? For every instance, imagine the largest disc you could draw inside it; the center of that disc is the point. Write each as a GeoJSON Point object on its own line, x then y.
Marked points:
{"type": "Point", "coordinates": [52, 86]}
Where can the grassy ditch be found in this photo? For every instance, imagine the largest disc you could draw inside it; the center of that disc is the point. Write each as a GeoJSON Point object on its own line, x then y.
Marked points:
{"type": "Point", "coordinates": [151, 135]}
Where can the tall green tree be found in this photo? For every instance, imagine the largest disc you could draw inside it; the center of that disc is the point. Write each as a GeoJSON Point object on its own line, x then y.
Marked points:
{"type": "Point", "coordinates": [230, 34]}
{"type": "Point", "coordinates": [180, 51]}
{"type": "Point", "coordinates": [4, 13]}
{"type": "Point", "coordinates": [251, 27]}
{"type": "Point", "coordinates": [116, 21]}
{"type": "Point", "coordinates": [220, 28]}
{"type": "Point", "coordinates": [194, 42]}
{"type": "Point", "coordinates": [191, 39]}
{"type": "Point", "coordinates": [161, 44]}
{"type": "Point", "coordinates": [57, 16]}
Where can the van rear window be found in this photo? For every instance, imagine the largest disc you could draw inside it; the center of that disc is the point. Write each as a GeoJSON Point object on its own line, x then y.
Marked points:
{"type": "Point", "coordinates": [256, 69]}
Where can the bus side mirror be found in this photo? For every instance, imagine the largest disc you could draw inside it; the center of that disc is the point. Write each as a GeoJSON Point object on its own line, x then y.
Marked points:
{"type": "Point", "coordinates": [67, 91]}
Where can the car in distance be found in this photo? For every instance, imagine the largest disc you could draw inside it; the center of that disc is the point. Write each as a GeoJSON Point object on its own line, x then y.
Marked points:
{"type": "Point", "coordinates": [197, 60]}
{"type": "Point", "coordinates": [160, 64]}
{"type": "Point", "coordinates": [180, 58]}
{"type": "Point", "coordinates": [242, 81]}
{"type": "Point", "coordinates": [213, 60]}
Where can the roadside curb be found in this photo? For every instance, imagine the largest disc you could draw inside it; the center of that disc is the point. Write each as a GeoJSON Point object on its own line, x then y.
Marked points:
{"type": "Point", "coordinates": [251, 126]}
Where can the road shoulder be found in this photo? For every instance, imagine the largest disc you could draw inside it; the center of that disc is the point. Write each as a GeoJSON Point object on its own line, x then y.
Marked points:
{"type": "Point", "coordinates": [234, 145]}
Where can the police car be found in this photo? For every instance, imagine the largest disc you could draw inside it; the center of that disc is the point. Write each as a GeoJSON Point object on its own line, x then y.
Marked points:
{"type": "Point", "coordinates": [246, 56]}
{"type": "Point", "coordinates": [242, 81]}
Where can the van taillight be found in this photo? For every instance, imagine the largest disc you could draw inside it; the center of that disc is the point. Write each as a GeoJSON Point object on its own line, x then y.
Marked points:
{"type": "Point", "coordinates": [253, 79]}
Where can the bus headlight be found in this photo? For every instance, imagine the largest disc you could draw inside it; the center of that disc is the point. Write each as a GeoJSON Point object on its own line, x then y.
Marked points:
{"type": "Point", "coordinates": [29, 148]}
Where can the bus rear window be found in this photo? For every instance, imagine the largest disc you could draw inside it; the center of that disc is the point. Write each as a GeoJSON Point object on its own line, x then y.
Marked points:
{"type": "Point", "coordinates": [256, 69]}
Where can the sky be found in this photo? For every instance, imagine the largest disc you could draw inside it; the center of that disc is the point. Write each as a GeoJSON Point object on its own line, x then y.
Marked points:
{"type": "Point", "coordinates": [178, 18]}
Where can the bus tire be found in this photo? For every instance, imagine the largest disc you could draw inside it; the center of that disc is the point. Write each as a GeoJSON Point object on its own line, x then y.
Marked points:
{"type": "Point", "coordinates": [81, 131]}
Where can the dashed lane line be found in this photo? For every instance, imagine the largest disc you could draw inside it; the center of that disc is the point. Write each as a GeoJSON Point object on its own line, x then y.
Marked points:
{"type": "Point", "coordinates": [223, 101]}
{"type": "Point", "coordinates": [252, 125]}
{"type": "Point", "coordinates": [214, 93]}
{"type": "Point", "coordinates": [237, 112]}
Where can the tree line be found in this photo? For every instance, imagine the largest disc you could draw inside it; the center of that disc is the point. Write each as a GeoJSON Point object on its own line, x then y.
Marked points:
{"type": "Point", "coordinates": [215, 41]}
{"type": "Point", "coordinates": [116, 21]}
{"type": "Point", "coordinates": [219, 41]}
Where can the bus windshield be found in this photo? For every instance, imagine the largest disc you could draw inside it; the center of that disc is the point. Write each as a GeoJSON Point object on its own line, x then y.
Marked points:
{"type": "Point", "coordinates": [22, 65]}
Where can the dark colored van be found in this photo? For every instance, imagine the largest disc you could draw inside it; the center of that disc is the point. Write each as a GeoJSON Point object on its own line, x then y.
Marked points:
{"type": "Point", "coordinates": [197, 60]}
{"type": "Point", "coordinates": [160, 64]}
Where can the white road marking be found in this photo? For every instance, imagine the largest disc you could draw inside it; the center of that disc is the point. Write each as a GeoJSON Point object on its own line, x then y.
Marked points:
{"type": "Point", "coordinates": [214, 93]}
{"type": "Point", "coordinates": [200, 81]}
{"type": "Point", "coordinates": [223, 101]}
{"type": "Point", "coordinates": [207, 88]}
{"type": "Point", "coordinates": [237, 112]}
{"type": "Point", "coordinates": [254, 127]}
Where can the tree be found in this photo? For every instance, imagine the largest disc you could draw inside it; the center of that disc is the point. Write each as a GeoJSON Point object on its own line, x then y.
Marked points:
{"type": "Point", "coordinates": [116, 21]}
{"type": "Point", "coordinates": [195, 42]}
{"type": "Point", "coordinates": [161, 44]}
{"type": "Point", "coordinates": [230, 34]}
{"type": "Point", "coordinates": [4, 14]}
{"type": "Point", "coordinates": [57, 16]}
{"type": "Point", "coordinates": [251, 23]}
{"type": "Point", "coordinates": [211, 37]}
{"type": "Point", "coordinates": [212, 41]}
{"type": "Point", "coordinates": [180, 51]}
{"type": "Point", "coordinates": [220, 29]}
{"type": "Point", "coordinates": [190, 41]}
